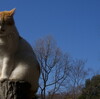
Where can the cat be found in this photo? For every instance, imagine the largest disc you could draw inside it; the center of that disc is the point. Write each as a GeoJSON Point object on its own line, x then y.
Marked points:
{"type": "Point", "coordinates": [17, 58]}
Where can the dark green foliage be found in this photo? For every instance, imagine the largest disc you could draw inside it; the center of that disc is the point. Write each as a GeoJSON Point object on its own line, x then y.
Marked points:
{"type": "Point", "coordinates": [91, 89]}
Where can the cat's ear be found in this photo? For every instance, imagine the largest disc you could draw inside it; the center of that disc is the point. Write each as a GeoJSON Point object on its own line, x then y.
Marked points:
{"type": "Point", "coordinates": [12, 12]}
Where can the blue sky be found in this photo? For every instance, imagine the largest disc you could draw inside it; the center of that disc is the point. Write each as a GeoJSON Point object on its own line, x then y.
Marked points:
{"type": "Point", "coordinates": [75, 24]}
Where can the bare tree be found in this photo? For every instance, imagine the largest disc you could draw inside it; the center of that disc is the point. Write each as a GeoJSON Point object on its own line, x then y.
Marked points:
{"type": "Point", "coordinates": [77, 77]}
{"type": "Point", "coordinates": [54, 65]}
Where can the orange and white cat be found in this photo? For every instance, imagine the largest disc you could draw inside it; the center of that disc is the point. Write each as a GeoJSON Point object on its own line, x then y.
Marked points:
{"type": "Point", "coordinates": [17, 59]}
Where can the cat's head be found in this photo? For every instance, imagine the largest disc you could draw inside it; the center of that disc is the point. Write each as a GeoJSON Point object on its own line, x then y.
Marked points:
{"type": "Point", "coordinates": [6, 20]}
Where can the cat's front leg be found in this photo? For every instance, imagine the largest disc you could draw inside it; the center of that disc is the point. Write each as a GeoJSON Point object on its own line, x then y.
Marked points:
{"type": "Point", "coordinates": [6, 68]}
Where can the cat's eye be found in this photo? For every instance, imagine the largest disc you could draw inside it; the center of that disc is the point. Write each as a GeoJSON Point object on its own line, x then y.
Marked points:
{"type": "Point", "coordinates": [8, 21]}
{"type": "Point", "coordinates": [8, 17]}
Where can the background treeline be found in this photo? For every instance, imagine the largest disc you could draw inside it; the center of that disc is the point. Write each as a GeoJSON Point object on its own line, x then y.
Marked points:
{"type": "Point", "coordinates": [63, 77]}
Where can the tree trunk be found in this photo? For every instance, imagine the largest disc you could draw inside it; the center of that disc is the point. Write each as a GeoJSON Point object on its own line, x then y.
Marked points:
{"type": "Point", "coordinates": [15, 90]}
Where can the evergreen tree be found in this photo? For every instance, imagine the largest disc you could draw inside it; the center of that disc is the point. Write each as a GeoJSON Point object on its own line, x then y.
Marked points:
{"type": "Point", "coordinates": [91, 89]}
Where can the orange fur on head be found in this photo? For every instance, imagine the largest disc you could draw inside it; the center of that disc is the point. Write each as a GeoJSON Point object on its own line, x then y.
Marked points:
{"type": "Point", "coordinates": [11, 12]}
{"type": "Point", "coordinates": [7, 15]}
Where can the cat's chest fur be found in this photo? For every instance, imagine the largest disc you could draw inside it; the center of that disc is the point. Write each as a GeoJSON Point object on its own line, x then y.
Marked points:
{"type": "Point", "coordinates": [3, 41]}
{"type": "Point", "coordinates": [4, 46]}
{"type": "Point", "coordinates": [1, 63]}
